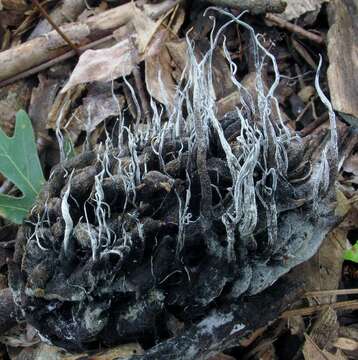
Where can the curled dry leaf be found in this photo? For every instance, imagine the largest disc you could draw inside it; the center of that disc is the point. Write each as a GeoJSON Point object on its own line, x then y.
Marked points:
{"type": "Point", "coordinates": [43, 351]}
{"type": "Point", "coordinates": [160, 64]}
{"type": "Point", "coordinates": [145, 28]}
{"type": "Point", "coordinates": [42, 99]}
{"type": "Point", "coordinates": [104, 64]}
{"type": "Point", "coordinates": [12, 98]}
{"type": "Point", "coordinates": [60, 113]}
{"type": "Point", "coordinates": [158, 77]}
{"type": "Point", "coordinates": [312, 352]}
{"type": "Point", "coordinates": [97, 106]}
{"type": "Point", "coordinates": [351, 165]}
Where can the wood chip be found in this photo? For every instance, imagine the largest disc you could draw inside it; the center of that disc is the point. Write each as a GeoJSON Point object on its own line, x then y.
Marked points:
{"type": "Point", "coordinates": [342, 73]}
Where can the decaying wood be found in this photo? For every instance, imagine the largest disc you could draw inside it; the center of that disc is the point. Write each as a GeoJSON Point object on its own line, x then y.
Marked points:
{"type": "Point", "coordinates": [342, 40]}
{"type": "Point", "coordinates": [254, 6]}
{"type": "Point", "coordinates": [44, 48]}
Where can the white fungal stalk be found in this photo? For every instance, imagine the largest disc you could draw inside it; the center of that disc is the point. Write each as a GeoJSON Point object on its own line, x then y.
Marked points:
{"type": "Point", "coordinates": [59, 136]}
{"type": "Point", "coordinates": [65, 210]}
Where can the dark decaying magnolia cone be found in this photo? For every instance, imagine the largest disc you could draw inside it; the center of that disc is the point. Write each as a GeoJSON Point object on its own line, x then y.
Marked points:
{"type": "Point", "coordinates": [177, 223]}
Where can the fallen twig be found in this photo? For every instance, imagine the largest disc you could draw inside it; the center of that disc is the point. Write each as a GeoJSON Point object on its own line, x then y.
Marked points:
{"type": "Point", "coordinates": [253, 6]}
{"type": "Point", "coordinates": [284, 24]}
{"type": "Point", "coordinates": [343, 305]}
{"type": "Point", "coordinates": [314, 124]}
{"type": "Point", "coordinates": [331, 292]}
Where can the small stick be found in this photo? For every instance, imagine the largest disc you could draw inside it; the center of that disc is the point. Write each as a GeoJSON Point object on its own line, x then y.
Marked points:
{"type": "Point", "coordinates": [314, 124]}
{"type": "Point", "coordinates": [284, 24]}
{"type": "Point", "coordinates": [61, 33]}
{"type": "Point", "coordinates": [54, 61]}
{"type": "Point", "coordinates": [343, 305]}
{"type": "Point", "coordinates": [331, 292]}
{"type": "Point", "coordinates": [304, 53]}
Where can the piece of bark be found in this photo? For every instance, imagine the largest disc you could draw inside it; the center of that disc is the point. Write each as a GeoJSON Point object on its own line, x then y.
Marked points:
{"type": "Point", "coordinates": [224, 328]}
{"type": "Point", "coordinates": [41, 49]}
{"type": "Point", "coordinates": [342, 40]}
{"type": "Point", "coordinates": [7, 310]}
{"type": "Point", "coordinates": [253, 6]}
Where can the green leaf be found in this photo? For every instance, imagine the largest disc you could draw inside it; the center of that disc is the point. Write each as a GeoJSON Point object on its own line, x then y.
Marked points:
{"type": "Point", "coordinates": [352, 253]}
{"type": "Point", "coordinates": [19, 162]}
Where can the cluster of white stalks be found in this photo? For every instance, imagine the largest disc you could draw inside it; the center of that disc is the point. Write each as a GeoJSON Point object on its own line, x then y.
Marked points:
{"type": "Point", "coordinates": [261, 144]}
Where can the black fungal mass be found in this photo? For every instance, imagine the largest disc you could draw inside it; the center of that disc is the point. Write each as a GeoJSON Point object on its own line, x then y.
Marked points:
{"type": "Point", "coordinates": [180, 220]}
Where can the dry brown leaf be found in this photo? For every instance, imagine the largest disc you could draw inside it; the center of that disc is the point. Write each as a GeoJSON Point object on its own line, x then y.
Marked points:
{"type": "Point", "coordinates": [160, 67]}
{"type": "Point", "coordinates": [346, 344]}
{"type": "Point", "coordinates": [20, 337]}
{"type": "Point", "coordinates": [61, 111]}
{"type": "Point", "coordinates": [104, 64]}
{"type": "Point", "coordinates": [351, 165]}
{"type": "Point", "coordinates": [325, 329]}
{"type": "Point", "coordinates": [311, 351]}
{"type": "Point", "coordinates": [42, 99]}
{"type": "Point", "coordinates": [43, 351]}
{"type": "Point", "coordinates": [158, 77]}
{"type": "Point", "coordinates": [119, 352]}
{"type": "Point", "coordinates": [12, 98]}
{"type": "Point", "coordinates": [324, 270]}
{"type": "Point", "coordinates": [98, 105]}
{"type": "Point", "coordinates": [343, 204]}
{"type": "Point", "coordinates": [338, 355]}
{"type": "Point", "coordinates": [164, 70]}
{"type": "Point", "coordinates": [178, 53]}
{"type": "Point", "coordinates": [145, 28]}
